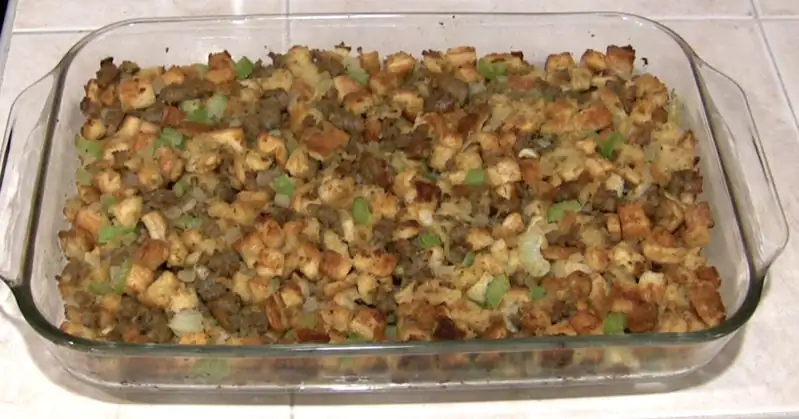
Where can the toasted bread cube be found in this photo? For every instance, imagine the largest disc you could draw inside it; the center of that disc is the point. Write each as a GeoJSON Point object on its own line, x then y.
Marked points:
{"type": "Point", "coordinates": [376, 262]}
{"type": "Point", "coordinates": [152, 253]}
{"type": "Point", "coordinates": [594, 61]}
{"type": "Point", "coordinates": [261, 288]}
{"type": "Point", "coordinates": [620, 60]}
{"type": "Point", "coordinates": [270, 263]}
{"type": "Point", "coordinates": [155, 224]}
{"type": "Point", "coordinates": [138, 279]}
{"type": "Point", "coordinates": [91, 219]}
{"type": "Point", "coordinates": [634, 222]}
{"type": "Point", "coordinates": [135, 93]}
{"type": "Point", "coordinates": [161, 292]}
{"type": "Point", "coordinates": [555, 62]}
{"type": "Point", "coordinates": [368, 323]}
{"type": "Point", "coordinates": [335, 265]}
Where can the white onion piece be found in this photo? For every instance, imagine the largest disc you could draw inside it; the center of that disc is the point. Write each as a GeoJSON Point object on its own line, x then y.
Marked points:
{"type": "Point", "coordinates": [509, 324]}
{"type": "Point", "coordinates": [232, 235]}
{"type": "Point", "coordinates": [443, 271]}
{"type": "Point", "coordinates": [187, 275]}
{"type": "Point", "coordinates": [93, 259]}
{"type": "Point", "coordinates": [199, 194]}
{"type": "Point", "coordinates": [641, 189]}
{"type": "Point", "coordinates": [311, 304]}
{"type": "Point", "coordinates": [564, 268]}
{"type": "Point", "coordinates": [651, 151]}
{"type": "Point", "coordinates": [476, 88]}
{"type": "Point", "coordinates": [158, 85]}
{"type": "Point", "coordinates": [283, 201]}
{"type": "Point", "coordinates": [263, 179]}
{"type": "Point", "coordinates": [202, 272]}
{"type": "Point", "coordinates": [187, 321]}
{"type": "Point", "coordinates": [173, 213]}
{"type": "Point", "coordinates": [189, 205]}
{"type": "Point", "coordinates": [530, 253]}
{"type": "Point", "coordinates": [193, 258]}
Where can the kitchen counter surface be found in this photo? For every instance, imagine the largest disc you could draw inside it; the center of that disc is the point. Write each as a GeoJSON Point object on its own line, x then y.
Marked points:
{"type": "Point", "coordinates": [755, 376]}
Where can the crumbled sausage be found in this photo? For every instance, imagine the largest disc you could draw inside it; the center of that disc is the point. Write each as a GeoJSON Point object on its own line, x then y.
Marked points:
{"type": "Point", "coordinates": [427, 192]}
{"type": "Point", "coordinates": [375, 170]}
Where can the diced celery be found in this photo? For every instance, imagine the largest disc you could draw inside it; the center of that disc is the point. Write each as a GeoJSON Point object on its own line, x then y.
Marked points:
{"type": "Point", "coordinates": [496, 290]}
{"type": "Point", "coordinates": [557, 211]}
{"type": "Point", "coordinates": [361, 212]}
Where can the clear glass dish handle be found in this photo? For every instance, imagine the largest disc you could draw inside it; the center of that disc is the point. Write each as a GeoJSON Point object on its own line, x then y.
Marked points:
{"type": "Point", "coordinates": [748, 174]}
{"type": "Point", "coordinates": [22, 151]}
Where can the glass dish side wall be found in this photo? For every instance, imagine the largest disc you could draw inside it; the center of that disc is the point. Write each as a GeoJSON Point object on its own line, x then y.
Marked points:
{"type": "Point", "coordinates": [314, 373]}
{"type": "Point", "coordinates": [544, 362]}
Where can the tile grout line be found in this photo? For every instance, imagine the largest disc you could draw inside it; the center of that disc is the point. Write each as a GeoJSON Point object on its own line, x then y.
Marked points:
{"type": "Point", "coordinates": [774, 67]}
{"type": "Point", "coordinates": [685, 18]}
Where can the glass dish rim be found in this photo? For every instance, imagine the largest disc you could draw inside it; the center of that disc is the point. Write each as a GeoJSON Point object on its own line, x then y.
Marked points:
{"type": "Point", "coordinates": [24, 296]}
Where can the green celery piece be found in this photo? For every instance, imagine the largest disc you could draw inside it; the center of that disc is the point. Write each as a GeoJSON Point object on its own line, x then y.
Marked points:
{"type": "Point", "coordinates": [361, 213]}
{"type": "Point", "coordinates": [216, 106]}
{"type": "Point", "coordinates": [171, 137]}
{"type": "Point", "coordinates": [606, 148]}
{"type": "Point", "coordinates": [491, 70]}
{"type": "Point", "coordinates": [199, 115]}
{"type": "Point", "coordinates": [283, 185]}
{"type": "Point", "coordinates": [83, 177]}
{"type": "Point", "coordinates": [106, 202]}
{"type": "Point", "coordinates": [557, 211]}
{"type": "Point", "coordinates": [90, 151]}
{"type": "Point", "coordinates": [475, 177]}
{"type": "Point", "coordinates": [358, 74]}
{"type": "Point", "coordinates": [537, 292]}
{"type": "Point", "coordinates": [496, 290]}
{"type": "Point", "coordinates": [243, 68]}
{"type": "Point", "coordinates": [191, 105]}
{"type": "Point", "coordinates": [111, 233]}
{"type": "Point", "coordinates": [468, 260]}
{"type": "Point", "coordinates": [615, 323]}
{"type": "Point", "coordinates": [188, 222]}
{"type": "Point", "coordinates": [429, 241]}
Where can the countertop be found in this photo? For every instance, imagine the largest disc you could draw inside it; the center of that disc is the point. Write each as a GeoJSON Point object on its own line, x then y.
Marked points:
{"type": "Point", "coordinates": [755, 376]}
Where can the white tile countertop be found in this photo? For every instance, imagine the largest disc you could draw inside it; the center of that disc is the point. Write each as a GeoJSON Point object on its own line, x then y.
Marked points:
{"type": "Point", "coordinates": [755, 376]}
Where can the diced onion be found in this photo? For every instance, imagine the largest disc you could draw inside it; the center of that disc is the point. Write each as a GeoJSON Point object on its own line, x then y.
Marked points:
{"type": "Point", "coordinates": [311, 304]}
{"type": "Point", "coordinates": [187, 275]}
{"type": "Point", "coordinates": [530, 253]}
{"type": "Point", "coordinates": [564, 268]}
{"type": "Point", "coordinates": [187, 321]}
{"type": "Point", "coordinates": [443, 271]}
{"type": "Point", "coordinates": [264, 179]}
{"type": "Point", "coordinates": [202, 272]}
{"type": "Point", "coordinates": [651, 151]}
{"type": "Point", "coordinates": [173, 213]}
{"type": "Point", "coordinates": [283, 201]}
{"type": "Point", "coordinates": [158, 85]}
{"type": "Point", "coordinates": [207, 246]}
{"type": "Point", "coordinates": [193, 258]}
{"type": "Point", "coordinates": [232, 235]}
{"type": "Point", "coordinates": [189, 205]}
{"type": "Point", "coordinates": [644, 186]}
{"type": "Point", "coordinates": [199, 194]}
{"type": "Point", "coordinates": [476, 88]}
{"type": "Point", "coordinates": [509, 324]}
{"type": "Point", "coordinates": [93, 259]}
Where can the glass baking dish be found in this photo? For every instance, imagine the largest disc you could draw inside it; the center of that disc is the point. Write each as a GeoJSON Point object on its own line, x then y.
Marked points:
{"type": "Point", "coordinates": [40, 161]}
